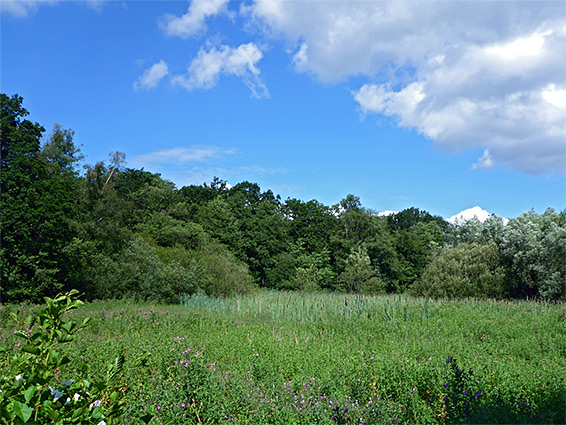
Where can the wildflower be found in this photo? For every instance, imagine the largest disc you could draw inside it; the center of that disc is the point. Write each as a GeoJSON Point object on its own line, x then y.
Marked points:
{"type": "Point", "coordinates": [478, 394]}
{"type": "Point", "coordinates": [447, 361]}
{"type": "Point", "coordinates": [95, 403]}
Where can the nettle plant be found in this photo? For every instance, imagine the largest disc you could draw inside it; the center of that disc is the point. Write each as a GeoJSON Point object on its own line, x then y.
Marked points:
{"type": "Point", "coordinates": [34, 389]}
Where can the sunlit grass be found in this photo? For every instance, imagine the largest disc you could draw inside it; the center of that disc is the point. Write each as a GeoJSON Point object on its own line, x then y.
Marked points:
{"type": "Point", "coordinates": [280, 357]}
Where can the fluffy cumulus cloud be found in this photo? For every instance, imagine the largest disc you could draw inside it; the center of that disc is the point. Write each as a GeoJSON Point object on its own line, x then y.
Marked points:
{"type": "Point", "coordinates": [205, 70]}
{"type": "Point", "coordinates": [465, 75]}
{"type": "Point", "coordinates": [192, 22]}
{"type": "Point", "coordinates": [152, 76]}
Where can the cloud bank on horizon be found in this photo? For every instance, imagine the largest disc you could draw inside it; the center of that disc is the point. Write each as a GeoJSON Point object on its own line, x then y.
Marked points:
{"type": "Point", "coordinates": [465, 75]}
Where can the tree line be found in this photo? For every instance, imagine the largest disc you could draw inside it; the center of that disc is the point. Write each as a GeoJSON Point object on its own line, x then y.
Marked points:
{"type": "Point", "coordinates": [111, 231]}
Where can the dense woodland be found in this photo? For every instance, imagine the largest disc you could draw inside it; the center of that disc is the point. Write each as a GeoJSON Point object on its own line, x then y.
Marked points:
{"type": "Point", "coordinates": [112, 231]}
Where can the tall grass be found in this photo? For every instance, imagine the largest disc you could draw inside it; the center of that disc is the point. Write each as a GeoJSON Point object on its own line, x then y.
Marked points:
{"type": "Point", "coordinates": [300, 358]}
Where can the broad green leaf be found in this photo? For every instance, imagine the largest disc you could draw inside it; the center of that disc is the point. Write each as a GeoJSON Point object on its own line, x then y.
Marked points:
{"type": "Point", "coordinates": [68, 326]}
{"type": "Point", "coordinates": [97, 413]}
{"type": "Point", "coordinates": [28, 395]}
{"type": "Point", "coordinates": [23, 411]}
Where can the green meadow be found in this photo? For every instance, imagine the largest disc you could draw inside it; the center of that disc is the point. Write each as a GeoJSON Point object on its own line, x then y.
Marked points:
{"type": "Point", "coordinates": [298, 358]}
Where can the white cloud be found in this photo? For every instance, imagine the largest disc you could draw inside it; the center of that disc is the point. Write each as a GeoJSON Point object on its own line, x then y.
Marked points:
{"type": "Point", "coordinates": [152, 76]}
{"type": "Point", "coordinates": [22, 8]}
{"type": "Point", "coordinates": [485, 161]}
{"type": "Point", "coordinates": [469, 214]}
{"type": "Point", "coordinates": [465, 75]}
{"type": "Point", "coordinates": [192, 22]}
{"type": "Point", "coordinates": [198, 174]}
{"type": "Point", "coordinates": [180, 155]}
{"type": "Point", "coordinates": [387, 213]}
{"type": "Point", "coordinates": [241, 61]}
{"type": "Point", "coordinates": [527, 46]}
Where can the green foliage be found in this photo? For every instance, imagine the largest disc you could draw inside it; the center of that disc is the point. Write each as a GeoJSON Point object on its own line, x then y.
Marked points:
{"type": "Point", "coordinates": [116, 231]}
{"type": "Point", "coordinates": [469, 270]}
{"type": "Point", "coordinates": [534, 247]}
{"type": "Point", "coordinates": [38, 198]}
{"type": "Point", "coordinates": [313, 272]}
{"type": "Point", "coordinates": [359, 276]}
{"type": "Point", "coordinates": [33, 386]}
{"type": "Point", "coordinates": [303, 358]}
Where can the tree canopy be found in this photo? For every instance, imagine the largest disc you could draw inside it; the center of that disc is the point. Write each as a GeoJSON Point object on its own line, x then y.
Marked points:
{"type": "Point", "coordinates": [113, 231]}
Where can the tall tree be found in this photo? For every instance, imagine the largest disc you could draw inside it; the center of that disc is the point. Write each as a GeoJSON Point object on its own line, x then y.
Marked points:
{"type": "Point", "coordinates": [37, 201]}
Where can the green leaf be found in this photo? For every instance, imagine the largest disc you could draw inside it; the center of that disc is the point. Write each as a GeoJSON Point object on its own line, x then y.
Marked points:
{"type": "Point", "coordinates": [63, 361]}
{"type": "Point", "coordinates": [23, 411]}
{"type": "Point", "coordinates": [53, 413]}
{"type": "Point", "coordinates": [68, 326]}
{"type": "Point", "coordinates": [97, 413]}
{"type": "Point", "coordinates": [28, 395]}
{"type": "Point", "coordinates": [78, 413]}
{"type": "Point", "coordinates": [65, 338]}
{"type": "Point", "coordinates": [30, 348]}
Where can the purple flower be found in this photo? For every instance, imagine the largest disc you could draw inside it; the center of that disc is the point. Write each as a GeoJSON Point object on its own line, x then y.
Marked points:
{"type": "Point", "coordinates": [478, 394]}
{"type": "Point", "coordinates": [345, 410]}
{"type": "Point", "coordinates": [447, 361]}
{"type": "Point", "coordinates": [445, 385]}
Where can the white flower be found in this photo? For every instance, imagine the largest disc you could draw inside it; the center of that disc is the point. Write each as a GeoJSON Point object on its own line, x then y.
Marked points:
{"type": "Point", "coordinates": [95, 403]}
{"type": "Point", "coordinates": [76, 397]}
{"type": "Point", "coordinates": [101, 423]}
{"type": "Point", "coordinates": [20, 379]}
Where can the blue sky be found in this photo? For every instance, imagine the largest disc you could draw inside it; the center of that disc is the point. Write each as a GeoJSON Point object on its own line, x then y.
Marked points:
{"type": "Point", "coordinates": [441, 105]}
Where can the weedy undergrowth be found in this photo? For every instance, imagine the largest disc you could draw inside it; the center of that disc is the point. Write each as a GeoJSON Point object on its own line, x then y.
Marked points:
{"type": "Point", "coordinates": [41, 386]}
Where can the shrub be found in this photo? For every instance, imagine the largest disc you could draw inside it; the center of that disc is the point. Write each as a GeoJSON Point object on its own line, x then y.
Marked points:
{"type": "Point", "coordinates": [469, 270]}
